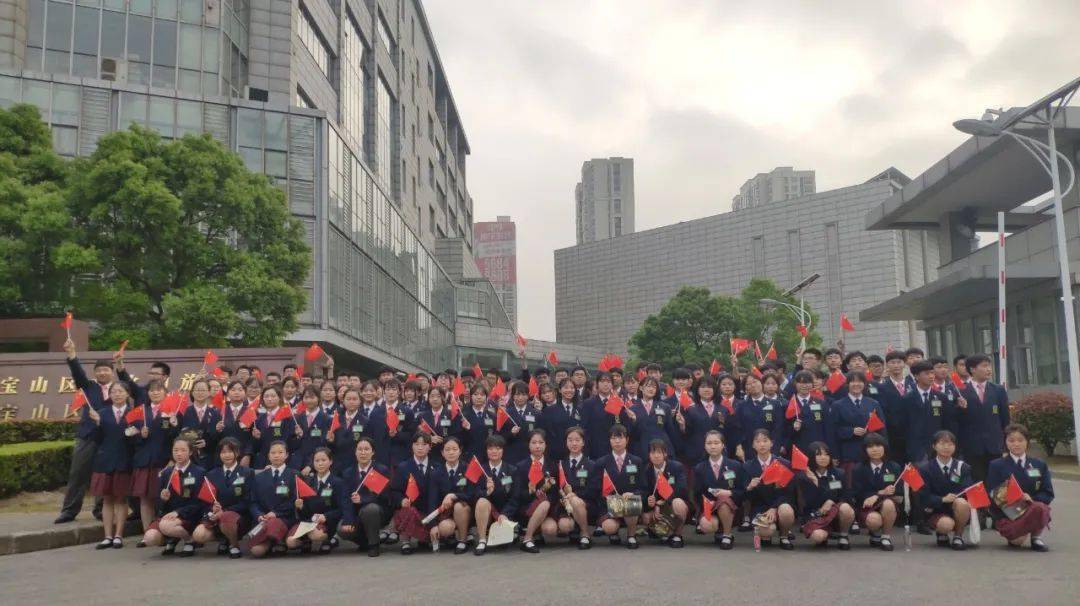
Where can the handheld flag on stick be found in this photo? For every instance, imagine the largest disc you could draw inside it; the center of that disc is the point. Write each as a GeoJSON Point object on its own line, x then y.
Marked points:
{"type": "Point", "coordinates": [912, 478]}
{"type": "Point", "coordinates": [1014, 492]}
{"type": "Point", "coordinates": [206, 492]}
{"type": "Point", "coordinates": [663, 487]}
{"type": "Point", "coordinates": [534, 387]}
{"type": "Point", "coordinates": [608, 487]}
{"type": "Point", "coordinates": [846, 324]}
{"type": "Point", "coordinates": [209, 358]}
{"type": "Point", "coordinates": [771, 354]}
{"type": "Point", "coordinates": [669, 391]}
{"type": "Point", "coordinates": [375, 482]}
{"type": "Point", "coordinates": [562, 477]}
{"type": "Point", "coordinates": [976, 495]}
{"type": "Point", "coordinates": [78, 400]}
{"type": "Point", "coordinates": [478, 373]}
{"type": "Point", "coordinates": [304, 491]}
{"type": "Point", "coordinates": [707, 507]}
{"type": "Point", "coordinates": [799, 461]}
{"type": "Point", "coordinates": [553, 358]}
{"type": "Point", "coordinates": [458, 388]}
{"type": "Point", "coordinates": [777, 473]}
{"type": "Point", "coordinates": [499, 390]}
{"type": "Point", "coordinates": [335, 424]}
{"type": "Point", "coordinates": [314, 352]}
{"type": "Point", "coordinates": [424, 427]}
{"type": "Point", "coordinates": [412, 491]}
{"type": "Point", "coordinates": [474, 471]}
{"type": "Point", "coordinates": [957, 380]}
{"type": "Point", "coordinates": [392, 420]}
{"type": "Point", "coordinates": [802, 330]}
{"type": "Point", "coordinates": [134, 415]}
{"type": "Point", "coordinates": [501, 417]}
{"type": "Point", "coordinates": [536, 472]}
{"type": "Point", "coordinates": [685, 401]}
{"type": "Point", "coordinates": [247, 419]}
{"type": "Point", "coordinates": [174, 481]}
{"type": "Point", "coordinates": [715, 368]}
{"type": "Point", "coordinates": [641, 374]}
{"type": "Point", "coordinates": [836, 381]}
{"type": "Point", "coordinates": [614, 405]}
{"type": "Point", "coordinates": [792, 411]}
{"type": "Point", "coordinates": [66, 323]}
{"type": "Point", "coordinates": [123, 346]}
{"type": "Point", "coordinates": [875, 423]}
{"type": "Point", "coordinates": [283, 413]}
{"type": "Point", "coordinates": [218, 401]}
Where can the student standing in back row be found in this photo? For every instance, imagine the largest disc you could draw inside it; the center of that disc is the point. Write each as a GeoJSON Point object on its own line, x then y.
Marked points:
{"type": "Point", "coordinates": [82, 457]}
{"type": "Point", "coordinates": [981, 416]}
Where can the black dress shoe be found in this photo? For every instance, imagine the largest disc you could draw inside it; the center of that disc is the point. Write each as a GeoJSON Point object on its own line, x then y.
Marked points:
{"type": "Point", "coordinates": [407, 548]}
{"type": "Point", "coordinates": [530, 547]}
{"type": "Point", "coordinates": [373, 551]}
{"type": "Point", "coordinates": [1037, 544]}
{"type": "Point", "coordinates": [64, 518]}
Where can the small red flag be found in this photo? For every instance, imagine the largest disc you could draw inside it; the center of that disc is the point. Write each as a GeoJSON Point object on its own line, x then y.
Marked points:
{"type": "Point", "coordinates": [836, 381]}
{"type": "Point", "coordinates": [976, 496]}
{"type": "Point", "coordinates": [958, 381]}
{"type": "Point", "coordinates": [728, 404]}
{"type": "Point", "coordinates": [174, 481]}
{"type": "Point", "coordinates": [478, 372]}
{"type": "Point", "coordinates": [616, 361]}
{"type": "Point", "coordinates": [792, 411]}
{"type": "Point", "coordinates": [756, 372]}
{"type": "Point", "coordinates": [455, 408]}
{"type": "Point", "coordinates": [685, 401]}
{"type": "Point", "coordinates": [247, 419]}
{"type": "Point", "coordinates": [669, 391]}
{"type": "Point", "coordinates": [314, 352]}
{"type": "Point", "coordinates": [608, 488]}
{"type": "Point", "coordinates": [499, 390]}
{"type": "Point", "coordinates": [603, 366]}
{"type": "Point", "coordinates": [739, 345]}
{"type": "Point", "coordinates": [392, 420]}
{"type": "Point", "coordinates": [424, 427]}
{"type": "Point", "coordinates": [534, 387]}
{"type": "Point", "coordinates": [536, 472]}
{"type": "Point", "coordinates": [474, 471]}
{"type": "Point", "coordinates": [410, 377]}
{"type": "Point", "coordinates": [715, 368]}
{"type": "Point", "coordinates": [134, 415]}
{"type": "Point", "coordinates": [875, 423]}
{"type": "Point", "coordinates": [641, 374]}
{"type": "Point", "coordinates": [501, 417]}
{"type": "Point", "coordinates": [78, 400]}
{"type": "Point", "coordinates": [846, 324]}
{"type": "Point", "coordinates": [301, 409]}
{"type": "Point", "coordinates": [459, 387]}
{"type": "Point", "coordinates": [123, 346]}
{"type": "Point", "coordinates": [553, 358]}
{"type": "Point", "coordinates": [521, 341]}
{"type": "Point", "coordinates": [757, 351]}
{"type": "Point", "coordinates": [614, 405]}
{"type": "Point", "coordinates": [206, 492]}
{"type": "Point", "coordinates": [771, 354]}
{"type": "Point", "coordinates": [66, 322]}
{"type": "Point", "coordinates": [777, 473]}
{"type": "Point", "coordinates": [258, 373]}
{"type": "Point", "coordinates": [802, 330]}
{"type": "Point", "coordinates": [209, 358]}
{"type": "Point", "coordinates": [663, 487]}
{"type": "Point", "coordinates": [707, 507]}
{"type": "Point", "coordinates": [304, 491]}
{"type": "Point", "coordinates": [218, 401]}
{"type": "Point", "coordinates": [217, 372]}
{"type": "Point", "coordinates": [562, 477]}
{"type": "Point", "coordinates": [283, 412]}
{"type": "Point", "coordinates": [912, 478]}
{"type": "Point", "coordinates": [335, 423]}
{"type": "Point", "coordinates": [1014, 492]}
{"type": "Point", "coordinates": [300, 371]}
{"type": "Point", "coordinates": [799, 461]}
{"type": "Point", "coordinates": [412, 491]}
{"type": "Point", "coordinates": [375, 482]}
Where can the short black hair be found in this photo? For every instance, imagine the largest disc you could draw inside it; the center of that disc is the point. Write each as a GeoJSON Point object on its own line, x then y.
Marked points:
{"type": "Point", "coordinates": [813, 350]}
{"type": "Point", "coordinates": [921, 366]}
{"type": "Point", "coordinates": [833, 351]}
{"type": "Point", "coordinates": [804, 376]}
{"type": "Point", "coordinates": [914, 351]}
{"type": "Point", "coordinates": [680, 373]}
{"type": "Point", "coordinates": [617, 429]}
{"type": "Point", "coordinates": [581, 368]}
{"type": "Point", "coordinates": [288, 366]}
{"type": "Point", "coordinates": [972, 361]}
{"type": "Point", "coordinates": [958, 358]}
{"type": "Point", "coordinates": [102, 363]}
{"type": "Point", "coordinates": [692, 367]}
{"type": "Point", "coordinates": [495, 441]}
{"type": "Point", "coordinates": [875, 358]}
{"type": "Point", "coordinates": [935, 360]}
{"type": "Point", "coordinates": [852, 355]}
{"type": "Point", "coordinates": [856, 375]}
{"type": "Point", "coordinates": [165, 368]}
{"type": "Point", "coordinates": [895, 355]}
{"type": "Point", "coordinates": [874, 439]}
{"type": "Point", "coordinates": [651, 366]}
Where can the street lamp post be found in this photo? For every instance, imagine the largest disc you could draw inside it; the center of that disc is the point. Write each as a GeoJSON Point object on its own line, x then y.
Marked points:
{"type": "Point", "coordinates": [1048, 156]}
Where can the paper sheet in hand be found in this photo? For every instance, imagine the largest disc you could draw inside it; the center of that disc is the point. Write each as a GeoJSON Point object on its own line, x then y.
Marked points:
{"type": "Point", "coordinates": [501, 533]}
{"type": "Point", "coordinates": [303, 528]}
{"type": "Point", "coordinates": [255, 530]}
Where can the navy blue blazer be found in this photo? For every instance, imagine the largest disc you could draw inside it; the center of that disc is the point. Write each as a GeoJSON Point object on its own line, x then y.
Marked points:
{"type": "Point", "coordinates": [185, 503]}
{"type": "Point", "coordinates": [767, 414]}
{"type": "Point", "coordinates": [846, 418]}
{"type": "Point", "coordinates": [154, 450]}
{"type": "Point", "coordinates": [505, 496]}
{"type": "Point", "coordinates": [816, 425]}
{"type": "Point", "coordinates": [401, 442]}
{"type": "Point", "coordinates": [233, 492]}
{"type": "Point", "coordinates": [896, 410]}
{"type": "Point", "coordinates": [926, 419]}
{"type": "Point", "coordinates": [94, 399]}
{"type": "Point", "coordinates": [675, 474]}
{"type": "Point", "coordinates": [1034, 479]}
{"type": "Point", "coordinates": [767, 496]}
{"type": "Point", "coordinates": [345, 437]}
{"type": "Point", "coordinates": [352, 480]}
{"type": "Point", "coordinates": [277, 497]}
{"type": "Point", "coordinates": [330, 500]}
{"type": "Point", "coordinates": [285, 431]}
{"type": "Point", "coordinates": [521, 480]}
{"type": "Point", "coordinates": [517, 446]}
{"type": "Point", "coordinates": [232, 429]}
{"type": "Point", "coordinates": [940, 484]}
{"type": "Point", "coordinates": [314, 437]}
{"type": "Point", "coordinates": [374, 426]}
{"type": "Point", "coordinates": [207, 428]}
{"type": "Point", "coordinates": [406, 469]}
{"type": "Point", "coordinates": [732, 477]}
{"type": "Point", "coordinates": [442, 482]}
{"type": "Point", "coordinates": [830, 487]}
{"type": "Point", "coordinates": [585, 480]}
{"type": "Point", "coordinates": [597, 423]}
{"type": "Point", "coordinates": [658, 425]}
{"type": "Point", "coordinates": [864, 483]}
{"type": "Point", "coordinates": [445, 426]}
{"type": "Point", "coordinates": [555, 421]}
{"type": "Point", "coordinates": [114, 451]}
{"type": "Point", "coordinates": [699, 423]}
{"type": "Point", "coordinates": [481, 425]}
{"type": "Point", "coordinates": [983, 422]}
{"type": "Point", "coordinates": [630, 480]}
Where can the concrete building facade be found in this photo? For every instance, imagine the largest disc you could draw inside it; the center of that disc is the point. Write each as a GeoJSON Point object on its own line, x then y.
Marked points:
{"type": "Point", "coordinates": [605, 290]}
{"type": "Point", "coordinates": [495, 250]}
{"type": "Point", "coordinates": [779, 184]}
{"type": "Point", "coordinates": [604, 199]}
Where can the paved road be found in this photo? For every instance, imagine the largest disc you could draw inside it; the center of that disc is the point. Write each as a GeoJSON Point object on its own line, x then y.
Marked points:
{"type": "Point", "coordinates": [605, 575]}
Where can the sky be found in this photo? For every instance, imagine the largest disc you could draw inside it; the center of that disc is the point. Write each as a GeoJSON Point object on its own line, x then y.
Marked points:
{"type": "Point", "coordinates": [704, 95]}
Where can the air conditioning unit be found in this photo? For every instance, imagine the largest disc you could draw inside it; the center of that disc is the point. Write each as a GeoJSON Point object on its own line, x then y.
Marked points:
{"type": "Point", "coordinates": [113, 70]}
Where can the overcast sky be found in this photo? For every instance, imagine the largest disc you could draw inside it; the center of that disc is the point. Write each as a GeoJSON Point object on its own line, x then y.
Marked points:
{"type": "Point", "coordinates": [703, 95]}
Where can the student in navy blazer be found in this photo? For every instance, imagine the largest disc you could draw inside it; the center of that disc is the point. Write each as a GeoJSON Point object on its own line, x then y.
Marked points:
{"type": "Point", "coordinates": [722, 480]}
{"type": "Point", "coordinates": [325, 508]}
{"type": "Point", "coordinates": [626, 473]}
{"type": "Point", "coordinates": [771, 505]}
{"type": "Point", "coordinates": [597, 422]}
{"type": "Point", "coordinates": [180, 507]}
{"type": "Point", "coordinates": [436, 417]}
{"type": "Point", "coordinates": [400, 441]}
{"type": "Point", "coordinates": [452, 494]}
{"type": "Point", "coordinates": [274, 425]}
{"type": "Point", "coordinates": [202, 418]}
{"type": "Point", "coordinates": [946, 478]}
{"type": "Point", "coordinates": [655, 421]}
{"type": "Point", "coordinates": [82, 456]}
{"type": "Point", "coordinates": [581, 490]}
{"type": "Point", "coordinates": [824, 496]}
{"type": "Point", "coordinates": [537, 501]}
{"type": "Point", "coordinates": [151, 441]}
{"type": "Point", "coordinates": [675, 475]}
{"type": "Point", "coordinates": [370, 506]}
{"type": "Point", "coordinates": [850, 417]}
{"type": "Point", "coordinates": [982, 414]}
{"type": "Point", "coordinates": [1033, 477]}
{"type": "Point", "coordinates": [273, 502]}
{"type": "Point", "coordinates": [757, 411]}
{"type": "Point", "coordinates": [706, 415]}
{"type": "Point", "coordinates": [111, 478]}
{"type": "Point", "coordinates": [498, 493]}
{"type": "Point", "coordinates": [228, 519]}
{"type": "Point", "coordinates": [349, 430]}
{"type": "Point", "coordinates": [229, 426]}
{"type": "Point", "coordinates": [814, 423]}
{"type": "Point", "coordinates": [561, 416]}
{"type": "Point", "coordinates": [526, 417]}
{"type": "Point", "coordinates": [372, 422]}
{"type": "Point", "coordinates": [313, 425]}
{"type": "Point", "coordinates": [928, 412]}
{"type": "Point", "coordinates": [418, 467]}
{"type": "Point", "coordinates": [478, 422]}
{"type": "Point", "coordinates": [876, 493]}
{"type": "Point", "coordinates": [892, 388]}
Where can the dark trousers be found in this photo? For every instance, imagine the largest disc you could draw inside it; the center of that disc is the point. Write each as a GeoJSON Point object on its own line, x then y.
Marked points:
{"type": "Point", "coordinates": [368, 524]}
{"type": "Point", "coordinates": [82, 461]}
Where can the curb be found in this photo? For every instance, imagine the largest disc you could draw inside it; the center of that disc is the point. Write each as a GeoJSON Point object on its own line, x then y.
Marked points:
{"type": "Point", "coordinates": [55, 538]}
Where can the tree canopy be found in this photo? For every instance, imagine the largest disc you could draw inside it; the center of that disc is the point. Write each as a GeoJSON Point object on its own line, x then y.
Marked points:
{"type": "Point", "coordinates": [164, 243]}
{"type": "Point", "coordinates": [697, 326]}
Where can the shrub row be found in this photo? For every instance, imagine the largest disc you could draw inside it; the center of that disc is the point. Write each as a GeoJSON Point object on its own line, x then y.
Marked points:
{"type": "Point", "coordinates": [18, 432]}
{"type": "Point", "coordinates": [34, 466]}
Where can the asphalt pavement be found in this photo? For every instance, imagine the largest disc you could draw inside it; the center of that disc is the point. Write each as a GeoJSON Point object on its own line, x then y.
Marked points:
{"type": "Point", "coordinates": [989, 574]}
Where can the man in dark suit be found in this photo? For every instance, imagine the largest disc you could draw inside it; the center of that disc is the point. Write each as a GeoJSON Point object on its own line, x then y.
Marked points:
{"type": "Point", "coordinates": [982, 414]}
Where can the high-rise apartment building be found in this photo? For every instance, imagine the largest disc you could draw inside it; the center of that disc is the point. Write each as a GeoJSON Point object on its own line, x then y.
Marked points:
{"type": "Point", "coordinates": [495, 250]}
{"type": "Point", "coordinates": [781, 183]}
{"type": "Point", "coordinates": [604, 199]}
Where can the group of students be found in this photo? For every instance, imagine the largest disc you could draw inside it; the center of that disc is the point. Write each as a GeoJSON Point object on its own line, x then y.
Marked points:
{"type": "Point", "coordinates": [291, 462]}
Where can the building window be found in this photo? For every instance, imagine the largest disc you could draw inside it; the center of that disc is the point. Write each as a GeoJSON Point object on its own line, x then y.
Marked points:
{"type": "Point", "coordinates": [431, 79]}
{"type": "Point", "coordinates": [618, 226]}
{"type": "Point", "coordinates": [758, 252]}
{"type": "Point", "coordinates": [385, 37]}
{"type": "Point", "coordinates": [352, 79]}
{"type": "Point", "coordinates": [431, 174]}
{"type": "Point", "coordinates": [431, 219]}
{"type": "Point", "coordinates": [616, 178]}
{"type": "Point", "coordinates": [312, 41]}
{"type": "Point", "coordinates": [383, 142]}
{"type": "Point", "coordinates": [832, 274]}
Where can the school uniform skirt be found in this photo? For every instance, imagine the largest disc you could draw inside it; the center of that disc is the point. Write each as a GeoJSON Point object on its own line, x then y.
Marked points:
{"type": "Point", "coordinates": [1035, 519]}
{"type": "Point", "coordinates": [113, 484]}
{"type": "Point", "coordinates": [863, 512]}
{"type": "Point", "coordinates": [820, 522]}
{"type": "Point", "coordinates": [189, 525]}
{"type": "Point", "coordinates": [407, 522]}
{"type": "Point", "coordinates": [273, 530]}
{"type": "Point", "coordinates": [536, 501]}
{"type": "Point", "coordinates": [227, 520]}
{"type": "Point", "coordinates": [144, 482]}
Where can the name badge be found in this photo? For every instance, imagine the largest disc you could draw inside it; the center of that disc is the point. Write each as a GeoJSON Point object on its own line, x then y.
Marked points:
{"type": "Point", "coordinates": [767, 407]}
{"type": "Point", "coordinates": [444, 422]}
{"type": "Point", "coordinates": [872, 390]}
{"type": "Point", "coordinates": [888, 478]}
{"type": "Point", "coordinates": [189, 481]}
{"type": "Point", "coordinates": [327, 492]}
{"type": "Point", "coordinates": [936, 403]}
{"type": "Point", "coordinates": [488, 421]}
{"type": "Point", "coordinates": [660, 421]}
{"type": "Point", "coordinates": [582, 473]}
{"type": "Point", "coordinates": [281, 490]}
{"type": "Point", "coordinates": [238, 491]}
{"type": "Point", "coordinates": [316, 432]}
{"type": "Point", "coordinates": [994, 409]}
{"type": "Point", "coordinates": [1034, 473]}
{"type": "Point", "coordinates": [461, 481]}
{"type": "Point", "coordinates": [954, 478]}
{"type": "Point", "coordinates": [238, 481]}
{"type": "Point", "coordinates": [768, 417]}
{"type": "Point", "coordinates": [277, 432]}
{"type": "Point", "coordinates": [815, 406]}
{"type": "Point", "coordinates": [660, 412]}
{"type": "Point", "coordinates": [729, 475]}
{"type": "Point", "coordinates": [506, 480]}
{"type": "Point", "coordinates": [835, 485]}
{"type": "Point", "coordinates": [358, 428]}
{"type": "Point", "coordinates": [949, 396]}
{"type": "Point", "coordinates": [671, 479]}
{"type": "Point", "coordinates": [530, 418]}
{"type": "Point", "coordinates": [401, 416]}
{"type": "Point", "coordinates": [631, 468]}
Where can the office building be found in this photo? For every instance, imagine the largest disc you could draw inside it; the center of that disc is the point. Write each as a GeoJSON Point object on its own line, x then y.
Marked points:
{"type": "Point", "coordinates": [495, 250]}
{"type": "Point", "coordinates": [955, 199]}
{"type": "Point", "coordinates": [779, 184]}
{"type": "Point", "coordinates": [597, 305]}
{"type": "Point", "coordinates": [604, 199]}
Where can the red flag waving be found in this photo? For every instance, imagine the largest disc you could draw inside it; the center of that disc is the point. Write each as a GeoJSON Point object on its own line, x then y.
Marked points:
{"type": "Point", "coordinates": [608, 488]}
{"type": "Point", "coordinates": [846, 324]}
{"type": "Point", "coordinates": [1013, 493]}
{"type": "Point", "coordinates": [771, 354]}
{"type": "Point", "coordinates": [836, 381]}
{"type": "Point", "coordinates": [314, 352]}
{"type": "Point", "coordinates": [335, 423]}
{"type": "Point", "coordinates": [912, 478]}
{"type": "Point", "coordinates": [957, 380]}
{"type": "Point", "coordinates": [474, 471]}
{"type": "Point", "coordinates": [455, 408]}
{"type": "Point", "coordinates": [304, 491]}
{"type": "Point", "coordinates": [802, 330]}
{"type": "Point", "coordinates": [218, 401]}
{"type": "Point", "coordinates": [458, 388]}
{"type": "Point", "coordinates": [792, 411]}
{"type": "Point", "coordinates": [553, 358]}
{"type": "Point", "coordinates": [536, 472]}
{"type": "Point", "coordinates": [757, 352]}
{"type": "Point", "coordinates": [685, 401]}
{"type": "Point", "coordinates": [134, 415]}
{"type": "Point", "coordinates": [875, 423]}
{"type": "Point", "coordinates": [123, 346]}
{"type": "Point", "coordinates": [707, 507]}
{"type": "Point", "coordinates": [478, 372]}
{"type": "Point", "coordinates": [78, 400]}
{"type": "Point", "coordinates": [209, 358]}
{"type": "Point", "coordinates": [799, 461]}
{"type": "Point", "coordinates": [616, 361]}
{"type": "Point", "coordinates": [663, 487]}
{"type": "Point", "coordinates": [521, 341]}
{"type": "Point", "coordinates": [501, 417]}
{"type": "Point", "coordinates": [283, 412]}
{"type": "Point", "coordinates": [715, 368]}
{"type": "Point", "coordinates": [669, 391]}
{"type": "Point", "coordinates": [66, 322]}
{"type": "Point", "coordinates": [375, 482]}
{"type": "Point", "coordinates": [739, 345]}
{"type": "Point", "coordinates": [562, 477]}
{"type": "Point", "coordinates": [641, 374]}
{"type": "Point", "coordinates": [247, 419]}
{"type": "Point", "coordinates": [206, 492]}
{"type": "Point", "coordinates": [754, 370]}
{"type": "Point", "coordinates": [499, 390]}
{"type": "Point", "coordinates": [174, 481]}
{"type": "Point", "coordinates": [392, 420]}
{"type": "Point", "coordinates": [412, 490]}
{"type": "Point", "coordinates": [614, 405]}
{"type": "Point", "coordinates": [728, 404]}
{"type": "Point", "coordinates": [217, 372]}
{"type": "Point", "coordinates": [534, 387]}
{"type": "Point", "coordinates": [604, 363]}
{"type": "Point", "coordinates": [977, 496]}
{"type": "Point", "coordinates": [777, 473]}
{"type": "Point", "coordinates": [424, 427]}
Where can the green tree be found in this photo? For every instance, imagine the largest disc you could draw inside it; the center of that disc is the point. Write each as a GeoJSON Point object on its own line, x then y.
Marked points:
{"type": "Point", "coordinates": [192, 248]}
{"type": "Point", "coordinates": [38, 248]}
{"type": "Point", "coordinates": [696, 326]}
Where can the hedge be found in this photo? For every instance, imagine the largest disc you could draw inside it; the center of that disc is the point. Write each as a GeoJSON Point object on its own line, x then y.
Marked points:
{"type": "Point", "coordinates": [34, 466]}
{"type": "Point", "coordinates": [17, 432]}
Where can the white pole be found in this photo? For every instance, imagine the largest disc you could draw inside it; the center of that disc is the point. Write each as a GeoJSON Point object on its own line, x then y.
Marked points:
{"type": "Point", "coordinates": [1066, 282]}
{"type": "Point", "coordinates": [1003, 367]}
